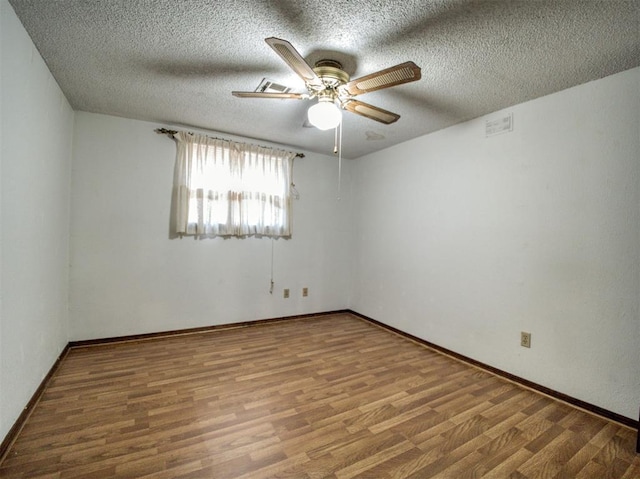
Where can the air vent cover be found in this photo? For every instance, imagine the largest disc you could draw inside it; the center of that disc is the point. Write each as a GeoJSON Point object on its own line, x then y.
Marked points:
{"type": "Point", "coordinates": [268, 86]}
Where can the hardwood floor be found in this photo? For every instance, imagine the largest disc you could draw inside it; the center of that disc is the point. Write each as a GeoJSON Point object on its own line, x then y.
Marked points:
{"type": "Point", "coordinates": [324, 397]}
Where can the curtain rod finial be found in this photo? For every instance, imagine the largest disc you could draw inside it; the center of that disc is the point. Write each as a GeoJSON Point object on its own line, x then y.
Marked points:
{"type": "Point", "coordinates": [164, 131]}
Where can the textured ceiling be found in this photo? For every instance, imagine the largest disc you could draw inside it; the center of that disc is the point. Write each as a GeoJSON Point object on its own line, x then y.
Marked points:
{"type": "Point", "coordinates": [176, 62]}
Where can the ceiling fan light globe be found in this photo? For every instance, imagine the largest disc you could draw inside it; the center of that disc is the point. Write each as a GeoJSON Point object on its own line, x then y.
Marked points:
{"type": "Point", "coordinates": [324, 115]}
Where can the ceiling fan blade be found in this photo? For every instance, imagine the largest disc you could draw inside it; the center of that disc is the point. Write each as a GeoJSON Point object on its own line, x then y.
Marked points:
{"type": "Point", "coordinates": [370, 111]}
{"type": "Point", "coordinates": [297, 63]}
{"type": "Point", "coordinates": [258, 94]}
{"type": "Point", "coordinates": [397, 75]}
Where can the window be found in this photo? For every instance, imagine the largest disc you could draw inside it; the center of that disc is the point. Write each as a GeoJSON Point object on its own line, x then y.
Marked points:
{"type": "Point", "coordinates": [224, 188]}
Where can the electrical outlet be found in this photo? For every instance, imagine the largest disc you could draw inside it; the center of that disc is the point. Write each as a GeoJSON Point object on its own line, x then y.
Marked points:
{"type": "Point", "coordinates": [286, 293]}
{"type": "Point", "coordinates": [305, 292]}
{"type": "Point", "coordinates": [525, 339]}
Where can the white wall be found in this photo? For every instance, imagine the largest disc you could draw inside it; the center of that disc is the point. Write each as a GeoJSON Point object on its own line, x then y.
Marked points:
{"type": "Point", "coordinates": [465, 241]}
{"type": "Point", "coordinates": [36, 133]}
{"type": "Point", "coordinates": [129, 277]}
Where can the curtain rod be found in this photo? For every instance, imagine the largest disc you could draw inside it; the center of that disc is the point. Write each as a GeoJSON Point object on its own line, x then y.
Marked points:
{"type": "Point", "coordinates": [170, 133]}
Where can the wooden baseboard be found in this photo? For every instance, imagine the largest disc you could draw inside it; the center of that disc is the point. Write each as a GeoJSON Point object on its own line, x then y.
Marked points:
{"type": "Point", "coordinates": [524, 382]}
{"type": "Point", "coordinates": [203, 329]}
{"type": "Point", "coordinates": [26, 412]}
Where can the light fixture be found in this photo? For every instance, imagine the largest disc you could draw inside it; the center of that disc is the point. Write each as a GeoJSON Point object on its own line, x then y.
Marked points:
{"type": "Point", "coordinates": [324, 115]}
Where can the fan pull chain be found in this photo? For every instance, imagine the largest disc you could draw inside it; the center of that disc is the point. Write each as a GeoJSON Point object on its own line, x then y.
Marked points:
{"type": "Point", "coordinates": [271, 287]}
{"type": "Point", "coordinates": [339, 148]}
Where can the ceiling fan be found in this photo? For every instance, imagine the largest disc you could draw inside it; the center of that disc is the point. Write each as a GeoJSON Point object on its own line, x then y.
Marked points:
{"type": "Point", "coordinates": [328, 82]}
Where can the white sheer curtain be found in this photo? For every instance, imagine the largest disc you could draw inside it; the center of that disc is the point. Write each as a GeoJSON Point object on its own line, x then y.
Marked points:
{"type": "Point", "coordinates": [224, 188]}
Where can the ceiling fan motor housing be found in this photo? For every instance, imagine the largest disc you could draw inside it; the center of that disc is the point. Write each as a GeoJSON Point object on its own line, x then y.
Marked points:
{"type": "Point", "coordinates": [331, 73]}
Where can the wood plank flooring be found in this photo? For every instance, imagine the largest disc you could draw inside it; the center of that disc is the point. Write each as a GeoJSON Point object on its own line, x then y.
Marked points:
{"type": "Point", "coordinates": [323, 397]}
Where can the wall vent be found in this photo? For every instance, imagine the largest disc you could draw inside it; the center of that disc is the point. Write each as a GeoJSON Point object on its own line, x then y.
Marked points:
{"type": "Point", "coordinates": [500, 125]}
